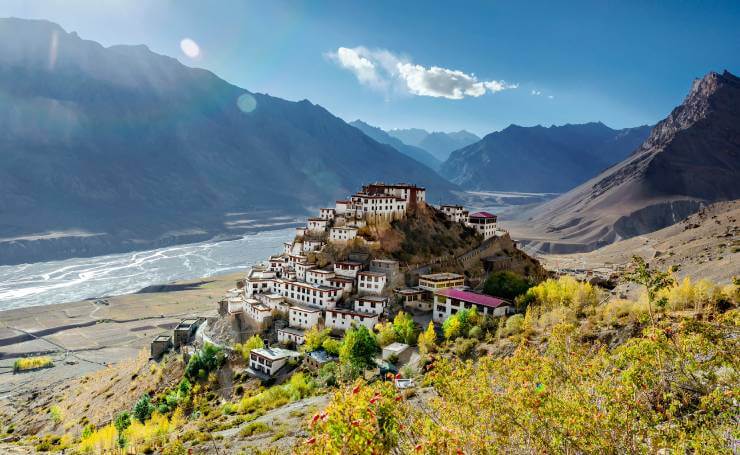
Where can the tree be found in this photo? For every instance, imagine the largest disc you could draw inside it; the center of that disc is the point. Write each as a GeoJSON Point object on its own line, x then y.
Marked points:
{"type": "Point", "coordinates": [332, 346]}
{"type": "Point", "coordinates": [653, 281]}
{"type": "Point", "coordinates": [358, 349]}
{"type": "Point", "coordinates": [386, 333]}
{"type": "Point", "coordinates": [123, 421]}
{"type": "Point", "coordinates": [452, 327]}
{"type": "Point", "coordinates": [315, 339]}
{"type": "Point", "coordinates": [427, 340]}
{"type": "Point", "coordinates": [143, 408]}
{"type": "Point", "coordinates": [506, 284]}
{"type": "Point", "coordinates": [204, 361]}
{"type": "Point", "coordinates": [254, 342]}
{"type": "Point", "coordinates": [405, 328]}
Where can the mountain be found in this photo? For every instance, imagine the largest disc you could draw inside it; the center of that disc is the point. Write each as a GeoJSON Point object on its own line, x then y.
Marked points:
{"type": "Point", "coordinates": [690, 159]}
{"type": "Point", "coordinates": [541, 160]}
{"type": "Point", "coordinates": [129, 149]}
{"type": "Point", "coordinates": [381, 136]}
{"type": "Point", "coordinates": [437, 143]}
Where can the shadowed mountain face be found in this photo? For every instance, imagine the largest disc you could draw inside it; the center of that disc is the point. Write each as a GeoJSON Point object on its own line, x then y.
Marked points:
{"type": "Point", "coordinates": [439, 144]}
{"type": "Point", "coordinates": [539, 159]}
{"type": "Point", "coordinates": [381, 136]}
{"type": "Point", "coordinates": [690, 159]}
{"type": "Point", "coordinates": [141, 149]}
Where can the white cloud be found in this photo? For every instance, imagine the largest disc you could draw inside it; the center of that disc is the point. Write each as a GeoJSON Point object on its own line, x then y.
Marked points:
{"type": "Point", "coordinates": [384, 70]}
{"type": "Point", "coordinates": [551, 97]}
{"type": "Point", "coordinates": [536, 92]}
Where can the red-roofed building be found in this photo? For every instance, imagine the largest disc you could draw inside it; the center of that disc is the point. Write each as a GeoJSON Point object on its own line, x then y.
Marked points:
{"type": "Point", "coordinates": [483, 222]}
{"type": "Point", "coordinates": [449, 301]}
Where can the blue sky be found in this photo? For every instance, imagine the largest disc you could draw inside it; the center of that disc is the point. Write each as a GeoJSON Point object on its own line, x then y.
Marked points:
{"type": "Point", "coordinates": [436, 65]}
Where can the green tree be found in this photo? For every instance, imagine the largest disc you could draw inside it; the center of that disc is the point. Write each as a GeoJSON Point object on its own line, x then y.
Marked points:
{"type": "Point", "coordinates": [315, 339]}
{"type": "Point", "coordinates": [122, 421]}
{"type": "Point", "coordinates": [653, 281]}
{"type": "Point", "coordinates": [358, 349]}
{"type": "Point", "coordinates": [506, 284]}
{"type": "Point", "coordinates": [208, 359]}
{"type": "Point", "coordinates": [452, 327]}
{"type": "Point", "coordinates": [405, 328]}
{"type": "Point", "coordinates": [386, 333]}
{"type": "Point", "coordinates": [427, 340]}
{"type": "Point", "coordinates": [332, 346]}
{"type": "Point", "coordinates": [143, 408]}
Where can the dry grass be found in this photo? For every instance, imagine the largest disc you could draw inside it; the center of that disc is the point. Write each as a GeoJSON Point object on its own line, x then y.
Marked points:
{"type": "Point", "coordinates": [32, 363]}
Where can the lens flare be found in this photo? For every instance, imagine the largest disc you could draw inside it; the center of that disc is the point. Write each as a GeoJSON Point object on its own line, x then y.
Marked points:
{"type": "Point", "coordinates": [190, 48]}
{"type": "Point", "coordinates": [246, 103]}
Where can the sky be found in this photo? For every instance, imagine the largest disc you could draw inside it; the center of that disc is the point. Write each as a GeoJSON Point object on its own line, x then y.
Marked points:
{"type": "Point", "coordinates": [442, 66]}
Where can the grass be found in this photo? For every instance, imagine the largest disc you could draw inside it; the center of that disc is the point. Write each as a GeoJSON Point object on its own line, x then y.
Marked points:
{"type": "Point", "coordinates": [253, 428]}
{"type": "Point", "coordinates": [32, 363]}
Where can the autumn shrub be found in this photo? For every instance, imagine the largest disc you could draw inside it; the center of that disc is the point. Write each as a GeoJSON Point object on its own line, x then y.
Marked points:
{"type": "Point", "coordinates": [32, 363]}
{"type": "Point", "coordinates": [360, 419]}
{"type": "Point", "coordinates": [618, 311]}
{"type": "Point", "coordinates": [567, 292]}
{"type": "Point", "coordinates": [513, 325]}
{"type": "Point", "coordinates": [253, 428]}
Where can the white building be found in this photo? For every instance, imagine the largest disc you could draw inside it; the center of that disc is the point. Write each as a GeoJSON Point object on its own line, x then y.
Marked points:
{"type": "Point", "coordinates": [373, 304]}
{"type": "Point", "coordinates": [345, 284]}
{"type": "Point", "coordinates": [435, 281]}
{"type": "Point", "coordinates": [319, 276]}
{"type": "Point", "coordinates": [258, 312]}
{"type": "Point", "coordinates": [388, 266]}
{"type": "Point", "coordinates": [317, 225]}
{"type": "Point", "coordinates": [235, 305]}
{"type": "Point", "coordinates": [275, 302]}
{"type": "Point", "coordinates": [300, 231]}
{"type": "Point", "coordinates": [301, 269]}
{"type": "Point", "coordinates": [304, 317]}
{"type": "Point", "coordinates": [308, 293]}
{"type": "Point", "coordinates": [411, 194]}
{"type": "Point", "coordinates": [449, 301]}
{"type": "Point", "coordinates": [342, 234]}
{"type": "Point", "coordinates": [454, 213]}
{"type": "Point", "coordinates": [310, 245]}
{"type": "Point", "coordinates": [343, 319]}
{"type": "Point", "coordinates": [483, 222]}
{"type": "Point", "coordinates": [259, 279]}
{"type": "Point", "coordinates": [371, 283]}
{"type": "Point", "coordinates": [289, 335]}
{"type": "Point", "coordinates": [414, 298]}
{"type": "Point", "coordinates": [380, 205]}
{"type": "Point", "coordinates": [327, 214]}
{"type": "Point", "coordinates": [348, 269]}
{"type": "Point", "coordinates": [269, 360]}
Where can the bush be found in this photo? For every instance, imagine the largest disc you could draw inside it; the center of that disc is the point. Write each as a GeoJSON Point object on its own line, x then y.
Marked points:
{"type": "Point", "coordinates": [253, 428]}
{"type": "Point", "coordinates": [204, 361]}
{"type": "Point", "coordinates": [475, 332]}
{"type": "Point", "coordinates": [358, 349]}
{"type": "Point", "coordinates": [254, 342]}
{"type": "Point", "coordinates": [386, 333]}
{"type": "Point", "coordinates": [143, 408]}
{"type": "Point", "coordinates": [566, 291]}
{"type": "Point", "coordinates": [513, 325]}
{"type": "Point", "coordinates": [505, 284]}
{"type": "Point", "coordinates": [32, 363]}
{"type": "Point", "coordinates": [464, 347]}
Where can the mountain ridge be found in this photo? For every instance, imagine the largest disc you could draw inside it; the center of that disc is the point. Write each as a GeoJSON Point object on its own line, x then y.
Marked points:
{"type": "Point", "coordinates": [541, 159]}
{"type": "Point", "coordinates": [438, 143]}
{"type": "Point", "coordinates": [690, 159]}
{"type": "Point", "coordinates": [383, 137]}
{"type": "Point", "coordinates": [136, 145]}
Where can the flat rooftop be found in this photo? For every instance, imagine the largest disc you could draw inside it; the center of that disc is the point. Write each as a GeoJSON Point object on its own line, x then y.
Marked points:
{"type": "Point", "coordinates": [444, 276]}
{"type": "Point", "coordinates": [275, 353]}
{"type": "Point", "coordinates": [292, 331]}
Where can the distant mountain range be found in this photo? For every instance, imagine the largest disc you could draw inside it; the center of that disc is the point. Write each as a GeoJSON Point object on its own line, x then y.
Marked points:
{"type": "Point", "coordinates": [141, 150]}
{"type": "Point", "coordinates": [690, 159]}
{"type": "Point", "coordinates": [539, 159]}
{"type": "Point", "coordinates": [383, 137]}
{"type": "Point", "coordinates": [439, 144]}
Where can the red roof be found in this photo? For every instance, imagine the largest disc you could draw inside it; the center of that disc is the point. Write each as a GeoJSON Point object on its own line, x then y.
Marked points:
{"type": "Point", "coordinates": [482, 215]}
{"type": "Point", "coordinates": [472, 297]}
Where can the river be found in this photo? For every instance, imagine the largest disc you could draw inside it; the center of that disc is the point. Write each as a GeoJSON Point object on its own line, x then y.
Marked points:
{"type": "Point", "coordinates": [70, 280]}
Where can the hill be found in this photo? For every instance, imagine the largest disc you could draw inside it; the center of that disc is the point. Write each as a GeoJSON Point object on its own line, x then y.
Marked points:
{"type": "Point", "coordinates": [381, 136]}
{"type": "Point", "coordinates": [689, 160]}
{"type": "Point", "coordinates": [439, 144]}
{"type": "Point", "coordinates": [541, 160]}
{"type": "Point", "coordinates": [706, 244]}
{"type": "Point", "coordinates": [129, 149]}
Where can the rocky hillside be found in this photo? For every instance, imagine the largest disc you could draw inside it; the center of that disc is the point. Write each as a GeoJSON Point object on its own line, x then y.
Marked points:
{"type": "Point", "coordinates": [541, 160]}
{"type": "Point", "coordinates": [137, 148]}
{"type": "Point", "coordinates": [691, 158]}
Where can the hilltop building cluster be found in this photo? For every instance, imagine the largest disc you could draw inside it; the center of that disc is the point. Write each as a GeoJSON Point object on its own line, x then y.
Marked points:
{"type": "Point", "coordinates": [292, 288]}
